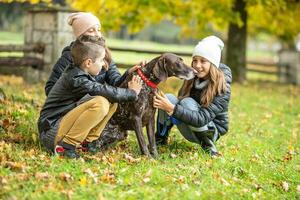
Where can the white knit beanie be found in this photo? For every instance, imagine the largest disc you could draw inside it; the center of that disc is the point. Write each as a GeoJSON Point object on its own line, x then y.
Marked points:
{"type": "Point", "coordinates": [82, 21]}
{"type": "Point", "coordinates": [210, 48]}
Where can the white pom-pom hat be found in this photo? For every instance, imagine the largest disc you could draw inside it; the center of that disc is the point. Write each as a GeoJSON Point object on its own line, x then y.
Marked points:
{"type": "Point", "coordinates": [210, 48]}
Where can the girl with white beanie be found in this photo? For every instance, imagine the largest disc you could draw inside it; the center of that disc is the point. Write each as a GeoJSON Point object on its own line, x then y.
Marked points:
{"type": "Point", "coordinates": [201, 109]}
{"type": "Point", "coordinates": [84, 23]}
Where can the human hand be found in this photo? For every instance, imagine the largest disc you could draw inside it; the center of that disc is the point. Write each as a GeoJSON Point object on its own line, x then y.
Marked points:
{"type": "Point", "coordinates": [161, 101]}
{"type": "Point", "coordinates": [134, 68]}
{"type": "Point", "coordinates": [136, 84]}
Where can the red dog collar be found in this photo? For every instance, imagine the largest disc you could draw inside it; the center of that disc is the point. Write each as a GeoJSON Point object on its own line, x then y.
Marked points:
{"type": "Point", "coordinates": [146, 80]}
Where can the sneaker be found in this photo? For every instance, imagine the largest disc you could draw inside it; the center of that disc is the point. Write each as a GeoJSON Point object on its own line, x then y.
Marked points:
{"type": "Point", "coordinates": [64, 150]}
{"type": "Point", "coordinates": [162, 139]}
{"type": "Point", "coordinates": [207, 144]}
{"type": "Point", "coordinates": [83, 146]}
{"type": "Point", "coordinates": [91, 147]}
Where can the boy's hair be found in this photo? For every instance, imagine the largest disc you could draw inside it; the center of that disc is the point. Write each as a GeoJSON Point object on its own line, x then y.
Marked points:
{"type": "Point", "coordinates": [86, 47]}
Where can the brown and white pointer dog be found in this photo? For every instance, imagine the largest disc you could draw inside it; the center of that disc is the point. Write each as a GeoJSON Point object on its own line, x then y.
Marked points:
{"type": "Point", "coordinates": [135, 115]}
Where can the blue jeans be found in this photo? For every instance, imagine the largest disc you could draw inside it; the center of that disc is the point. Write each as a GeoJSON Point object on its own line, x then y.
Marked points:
{"type": "Point", "coordinates": [187, 131]}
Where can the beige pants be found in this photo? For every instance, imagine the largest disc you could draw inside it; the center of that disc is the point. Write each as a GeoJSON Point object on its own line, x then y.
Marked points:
{"type": "Point", "coordinates": [86, 121]}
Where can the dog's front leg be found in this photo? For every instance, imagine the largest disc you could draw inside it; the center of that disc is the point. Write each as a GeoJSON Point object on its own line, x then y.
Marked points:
{"type": "Point", "coordinates": [140, 136]}
{"type": "Point", "coordinates": [151, 136]}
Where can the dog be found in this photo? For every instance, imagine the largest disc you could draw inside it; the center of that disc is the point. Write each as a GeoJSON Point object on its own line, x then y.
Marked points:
{"type": "Point", "coordinates": [135, 115]}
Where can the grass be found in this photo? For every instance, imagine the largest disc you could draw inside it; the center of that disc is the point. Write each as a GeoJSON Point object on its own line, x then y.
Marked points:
{"type": "Point", "coordinates": [260, 154]}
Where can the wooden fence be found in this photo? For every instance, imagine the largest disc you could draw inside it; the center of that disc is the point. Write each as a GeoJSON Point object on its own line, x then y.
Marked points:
{"type": "Point", "coordinates": [35, 61]}
{"type": "Point", "coordinates": [270, 68]}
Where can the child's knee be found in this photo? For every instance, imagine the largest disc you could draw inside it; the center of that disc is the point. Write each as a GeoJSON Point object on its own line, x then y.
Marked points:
{"type": "Point", "coordinates": [190, 103]}
{"type": "Point", "coordinates": [101, 104]}
{"type": "Point", "coordinates": [114, 107]}
{"type": "Point", "coordinates": [172, 98]}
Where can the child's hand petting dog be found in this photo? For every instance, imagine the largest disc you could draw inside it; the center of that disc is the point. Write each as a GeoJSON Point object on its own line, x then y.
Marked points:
{"type": "Point", "coordinates": [135, 67]}
{"type": "Point", "coordinates": [161, 101]}
{"type": "Point", "coordinates": [136, 84]}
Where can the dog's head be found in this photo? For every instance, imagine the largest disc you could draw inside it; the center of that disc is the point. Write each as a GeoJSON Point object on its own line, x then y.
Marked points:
{"type": "Point", "coordinates": [169, 64]}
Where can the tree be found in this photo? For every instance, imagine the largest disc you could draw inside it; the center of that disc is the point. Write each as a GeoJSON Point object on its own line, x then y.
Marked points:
{"type": "Point", "coordinates": [236, 43]}
{"type": "Point", "coordinates": [200, 18]}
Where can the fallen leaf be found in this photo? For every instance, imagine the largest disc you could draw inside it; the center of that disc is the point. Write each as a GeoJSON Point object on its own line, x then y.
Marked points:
{"type": "Point", "coordinates": [146, 177]}
{"type": "Point", "coordinates": [69, 193]}
{"type": "Point", "coordinates": [110, 159]}
{"type": "Point", "coordinates": [180, 180]}
{"type": "Point", "coordinates": [255, 158]}
{"type": "Point", "coordinates": [16, 166]}
{"type": "Point", "coordinates": [224, 182]}
{"type": "Point", "coordinates": [24, 177]}
{"type": "Point", "coordinates": [148, 173]}
{"type": "Point", "coordinates": [42, 175]}
{"type": "Point", "coordinates": [209, 163]}
{"type": "Point", "coordinates": [257, 186]}
{"type": "Point", "coordinates": [92, 175]}
{"type": "Point", "coordinates": [108, 177]}
{"type": "Point", "coordinates": [196, 182]}
{"type": "Point", "coordinates": [3, 181]}
{"type": "Point", "coordinates": [65, 176]}
{"type": "Point", "coordinates": [146, 180]}
{"type": "Point", "coordinates": [83, 181]}
{"type": "Point", "coordinates": [285, 186]}
{"type": "Point", "coordinates": [298, 189]}
{"type": "Point", "coordinates": [5, 123]}
{"type": "Point", "coordinates": [172, 155]}
{"type": "Point", "coordinates": [245, 190]}
{"type": "Point", "coordinates": [130, 159]}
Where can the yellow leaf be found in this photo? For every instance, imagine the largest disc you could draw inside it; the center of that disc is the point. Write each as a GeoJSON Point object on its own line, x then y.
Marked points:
{"type": "Point", "coordinates": [83, 181]}
{"type": "Point", "coordinates": [108, 177]}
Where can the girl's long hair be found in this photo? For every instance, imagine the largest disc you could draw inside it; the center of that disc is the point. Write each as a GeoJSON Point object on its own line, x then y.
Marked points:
{"type": "Point", "coordinates": [107, 57]}
{"type": "Point", "coordinates": [216, 86]}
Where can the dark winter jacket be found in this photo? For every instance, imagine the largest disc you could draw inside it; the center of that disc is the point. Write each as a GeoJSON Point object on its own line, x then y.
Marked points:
{"type": "Point", "coordinates": [112, 76]}
{"type": "Point", "coordinates": [217, 111]}
{"type": "Point", "coordinates": [74, 84]}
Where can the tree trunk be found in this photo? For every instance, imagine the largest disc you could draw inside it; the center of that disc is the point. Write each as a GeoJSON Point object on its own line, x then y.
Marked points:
{"type": "Point", "coordinates": [236, 44]}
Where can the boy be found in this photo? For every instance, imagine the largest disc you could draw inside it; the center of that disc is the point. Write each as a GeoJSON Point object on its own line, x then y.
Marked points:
{"type": "Point", "coordinates": [78, 107]}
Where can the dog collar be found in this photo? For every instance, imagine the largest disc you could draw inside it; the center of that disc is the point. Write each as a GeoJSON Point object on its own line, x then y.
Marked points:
{"type": "Point", "coordinates": [146, 80]}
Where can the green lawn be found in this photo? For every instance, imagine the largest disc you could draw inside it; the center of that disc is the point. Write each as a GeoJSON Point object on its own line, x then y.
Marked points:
{"type": "Point", "coordinates": [260, 154]}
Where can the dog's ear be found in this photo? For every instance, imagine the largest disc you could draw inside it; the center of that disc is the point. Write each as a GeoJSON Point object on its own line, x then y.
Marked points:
{"type": "Point", "coordinates": [160, 70]}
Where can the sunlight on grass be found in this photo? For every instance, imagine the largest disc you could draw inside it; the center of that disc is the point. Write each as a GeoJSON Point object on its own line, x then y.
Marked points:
{"type": "Point", "coordinates": [260, 153]}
